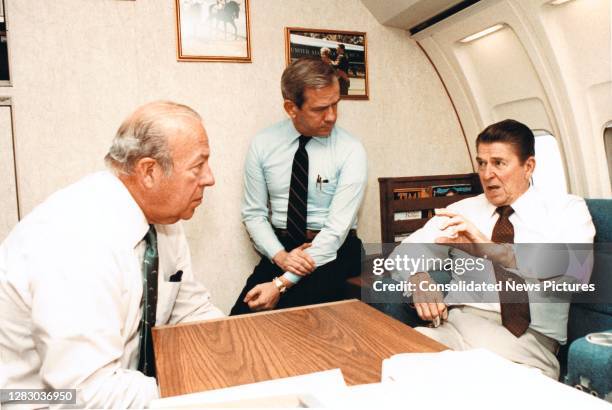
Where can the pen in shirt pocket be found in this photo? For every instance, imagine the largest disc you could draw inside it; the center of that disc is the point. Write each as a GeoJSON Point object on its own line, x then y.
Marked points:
{"type": "Point", "coordinates": [321, 181]}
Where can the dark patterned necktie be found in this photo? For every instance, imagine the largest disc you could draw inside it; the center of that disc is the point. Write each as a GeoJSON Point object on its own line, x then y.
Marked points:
{"type": "Point", "coordinates": [146, 363]}
{"type": "Point", "coordinates": [514, 305]}
{"type": "Point", "coordinates": [298, 195]}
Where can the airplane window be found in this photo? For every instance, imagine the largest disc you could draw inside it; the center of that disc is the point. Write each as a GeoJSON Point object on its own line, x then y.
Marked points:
{"type": "Point", "coordinates": [549, 174]}
{"type": "Point", "coordinates": [608, 145]}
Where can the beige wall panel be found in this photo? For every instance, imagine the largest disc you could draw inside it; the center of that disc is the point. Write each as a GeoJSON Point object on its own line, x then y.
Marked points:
{"type": "Point", "coordinates": [74, 71]}
{"type": "Point", "coordinates": [80, 66]}
{"type": "Point", "coordinates": [488, 72]}
{"type": "Point", "coordinates": [500, 72]}
{"type": "Point", "coordinates": [530, 111]}
{"type": "Point", "coordinates": [8, 191]}
{"type": "Point", "coordinates": [580, 37]}
{"type": "Point", "coordinates": [599, 100]}
{"type": "Point", "coordinates": [599, 103]}
{"type": "Point", "coordinates": [454, 80]}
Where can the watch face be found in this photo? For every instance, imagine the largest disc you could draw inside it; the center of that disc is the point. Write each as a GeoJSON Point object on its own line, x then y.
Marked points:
{"type": "Point", "coordinates": [279, 285]}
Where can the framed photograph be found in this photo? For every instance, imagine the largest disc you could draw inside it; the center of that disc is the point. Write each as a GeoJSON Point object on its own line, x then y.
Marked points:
{"type": "Point", "coordinates": [346, 51]}
{"type": "Point", "coordinates": [213, 30]}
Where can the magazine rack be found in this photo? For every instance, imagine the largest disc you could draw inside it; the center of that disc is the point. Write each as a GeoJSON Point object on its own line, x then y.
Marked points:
{"type": "Point", "coordinates": [407, 203]}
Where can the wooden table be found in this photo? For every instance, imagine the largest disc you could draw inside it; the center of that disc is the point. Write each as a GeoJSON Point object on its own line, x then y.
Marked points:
{"type": "Point", "coordinates": [349, 335]}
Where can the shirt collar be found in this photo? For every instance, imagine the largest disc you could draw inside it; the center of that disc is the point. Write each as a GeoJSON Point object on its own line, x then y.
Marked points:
{"type": "Point", "coordinates": [523, 205]}
{"type": "Point", "coordinates": [528, 206]}
{"type": "Point", "coordinates": [490, 207]}
{"type": "Point", "coordinates": [131, 221]}
{"type": "Point", "coordinates": [295, 134]}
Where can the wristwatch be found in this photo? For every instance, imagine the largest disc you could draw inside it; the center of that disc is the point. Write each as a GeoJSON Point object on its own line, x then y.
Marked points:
{"type": "Point", "coordinates": [279, 285]}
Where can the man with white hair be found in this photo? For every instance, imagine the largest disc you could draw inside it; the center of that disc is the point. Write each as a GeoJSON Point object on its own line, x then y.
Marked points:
{"type": "Point", "coordinates": [87, 273]}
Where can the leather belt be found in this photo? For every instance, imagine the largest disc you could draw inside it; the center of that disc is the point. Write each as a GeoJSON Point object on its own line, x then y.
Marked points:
{"type": "Point", "coordinates": [310, 233]}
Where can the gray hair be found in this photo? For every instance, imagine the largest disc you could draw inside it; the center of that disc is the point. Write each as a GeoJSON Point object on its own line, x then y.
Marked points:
{"type": "Point", "coordinates": [304, 73]}
{"type": "Point", "coordinates": [144, 134]}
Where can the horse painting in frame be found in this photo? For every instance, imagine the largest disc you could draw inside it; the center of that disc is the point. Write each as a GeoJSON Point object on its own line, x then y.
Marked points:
{"type": "Point", "coordinates": [226, 13]}
{"type": "Point", "coordinates": [213, 30]}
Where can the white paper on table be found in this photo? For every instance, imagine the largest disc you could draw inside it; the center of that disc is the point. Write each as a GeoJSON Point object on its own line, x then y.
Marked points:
{"type": "Point", "coordinates": [324, 383]}
{"type": "Point", "coordinates": [448, 363]}
{"type": "Point", "coordinates": [474, 379]}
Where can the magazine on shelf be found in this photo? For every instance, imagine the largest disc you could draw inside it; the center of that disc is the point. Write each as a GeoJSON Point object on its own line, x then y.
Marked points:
{"type": "Point", "coordinates": [451, 190]}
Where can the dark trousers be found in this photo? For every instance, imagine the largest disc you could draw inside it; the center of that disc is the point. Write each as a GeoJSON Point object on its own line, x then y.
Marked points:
{"type": "Point", "coordinates": [327, 283]}
{"type": "Point", "coordinates": [344, 85]}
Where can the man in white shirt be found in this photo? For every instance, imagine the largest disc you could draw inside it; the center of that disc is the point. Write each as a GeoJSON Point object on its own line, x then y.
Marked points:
{"type": "Point", "coordinates": [509, 211]}
{"type": "Point", "coordinates": [73, 313]}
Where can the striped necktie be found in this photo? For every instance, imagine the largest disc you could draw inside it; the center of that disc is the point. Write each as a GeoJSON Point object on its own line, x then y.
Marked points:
{"type": "Point", "coordinates": [298, 195]}
{"type": "Point", "coordinates": [146, 362]}
{"type": "Point", "coordinates": [514, 305]}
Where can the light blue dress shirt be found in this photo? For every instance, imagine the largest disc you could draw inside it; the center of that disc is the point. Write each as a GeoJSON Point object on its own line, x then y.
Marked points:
{"type": "Point", "coordinates": [338, 162]}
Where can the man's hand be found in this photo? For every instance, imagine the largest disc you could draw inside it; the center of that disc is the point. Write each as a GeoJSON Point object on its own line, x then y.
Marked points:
{"type": "Point", "coordinates": [463, 235]}
{"type": "Point", "coordinates": [458, 229]}
{"type": "Point", "coordinates": [264, 296]}
{"type": "Point", "coordinates": [297, 261]}
{"type": "Point", "coordinates": [429, 304]}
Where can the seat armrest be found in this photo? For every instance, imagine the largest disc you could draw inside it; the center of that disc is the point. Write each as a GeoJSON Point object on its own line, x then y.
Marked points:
{"type": "Point", "coordinates": [589, 367]}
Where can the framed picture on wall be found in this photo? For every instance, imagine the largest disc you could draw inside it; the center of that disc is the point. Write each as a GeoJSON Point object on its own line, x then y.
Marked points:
{"type": "Point", "coordinates": [346, 51]}
{"type": "Point", "coordinates": [213, 30]}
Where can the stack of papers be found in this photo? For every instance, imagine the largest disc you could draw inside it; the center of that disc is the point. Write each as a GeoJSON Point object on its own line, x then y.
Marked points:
{"type": "Point", "coordinates": [474, 379]}
{"type": "Point", "coordinates": [478, 379]}
{"type": "Point", "coordinates": [407, 367]}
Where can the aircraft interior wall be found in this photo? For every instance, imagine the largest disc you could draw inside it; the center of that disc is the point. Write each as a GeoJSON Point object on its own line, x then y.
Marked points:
{"type": "Point", "coordinates": [547, 65]}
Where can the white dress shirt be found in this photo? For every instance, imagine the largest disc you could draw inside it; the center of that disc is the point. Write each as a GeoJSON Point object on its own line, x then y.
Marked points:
{"type": "Point", "coordinates": [537, 218]}
{"type": "Point", "coordinates": [71, 293]}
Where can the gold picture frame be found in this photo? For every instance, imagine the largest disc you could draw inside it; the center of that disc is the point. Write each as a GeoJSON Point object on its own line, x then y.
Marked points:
{"type": "Point", "coordinates": [302, 42]}
{"type": "Point", "coordinates": [213, 30]}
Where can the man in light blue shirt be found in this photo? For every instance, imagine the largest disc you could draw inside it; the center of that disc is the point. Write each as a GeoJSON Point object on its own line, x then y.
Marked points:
{"type": "Point", "coordinates": [303, 186]}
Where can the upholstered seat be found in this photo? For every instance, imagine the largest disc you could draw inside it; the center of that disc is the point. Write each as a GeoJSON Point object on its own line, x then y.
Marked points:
{"type": "Point", "coordinates": [589, 365]}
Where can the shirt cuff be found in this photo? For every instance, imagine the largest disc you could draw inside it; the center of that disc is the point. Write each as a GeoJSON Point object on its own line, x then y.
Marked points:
{"type": "Point", "coordinates": [272, 250]}
{"type": "Point", "coordinates": [292, 277]}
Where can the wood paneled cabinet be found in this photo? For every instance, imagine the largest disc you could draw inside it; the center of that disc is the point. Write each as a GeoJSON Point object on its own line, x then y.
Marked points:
{"type": "Point", "coordinates": [407, 203]}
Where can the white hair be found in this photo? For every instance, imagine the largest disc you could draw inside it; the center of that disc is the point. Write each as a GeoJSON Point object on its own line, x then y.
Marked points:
{"type": "Point", "coordinates": [144, 134]}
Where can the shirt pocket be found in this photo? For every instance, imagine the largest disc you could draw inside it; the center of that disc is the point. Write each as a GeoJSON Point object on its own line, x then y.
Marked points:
{"type": "Point", "coordinates": [324, 192]}
{"type": "Point", "coordinates": [327, 187]}
{"type": "Point", "coordinates": [166, 297]}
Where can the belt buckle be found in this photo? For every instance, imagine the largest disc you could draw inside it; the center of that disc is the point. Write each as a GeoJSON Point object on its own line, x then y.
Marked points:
{"type": "Point", "coordinates": [310, 234]}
